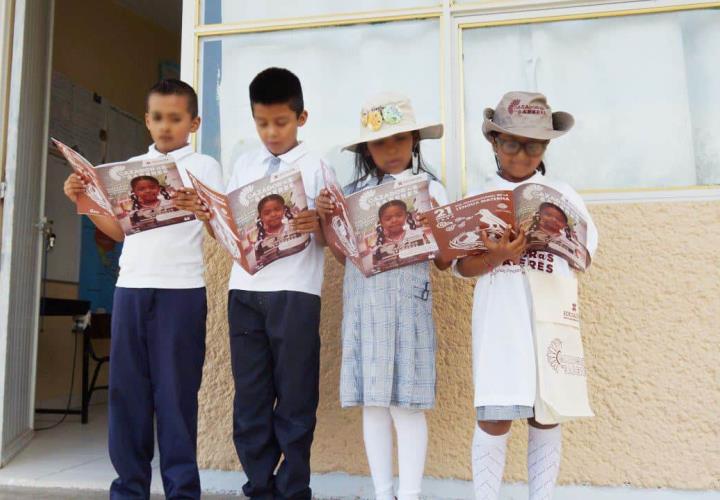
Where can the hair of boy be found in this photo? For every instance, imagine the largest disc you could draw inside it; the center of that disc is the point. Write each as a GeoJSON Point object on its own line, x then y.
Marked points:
{"type": "Point", "coordinates": [365, 166]}
{"type": "Point", "coordinates": [171, 86]}
{"type": "Point", "coordinates": [540, 168]}
{"type": "Point", "coordinates": [392, 203]}
{"type": "Point", "coordinates": [271, 197]}
{"type": "Point", "coordinates": [277, 86]}
{"type": "Point", "coordinates": [133, 183]}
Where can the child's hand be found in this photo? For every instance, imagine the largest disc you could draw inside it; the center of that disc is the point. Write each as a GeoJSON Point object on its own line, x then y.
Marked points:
{"type": "Point", "coordinates": [324, 204]}
{"type": "Point", "coordinates": [187, 199]}
{"type": "Point", "coordinates": [506, 248]}
{"type": "Point", "coordinates": [74, 187]}
{"type": "Point", "coordinates": [306, 221]}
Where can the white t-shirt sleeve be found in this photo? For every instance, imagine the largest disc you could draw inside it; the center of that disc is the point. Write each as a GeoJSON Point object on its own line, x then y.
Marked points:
{"type": "Point", "coordinates": [212, 174]}
{"type": "Point", "coordinates": [234, 181]}
{"type": "Point", "coordinates": [438, 193]}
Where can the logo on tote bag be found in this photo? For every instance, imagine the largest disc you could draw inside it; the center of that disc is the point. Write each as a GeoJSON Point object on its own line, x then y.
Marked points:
{"type": "Point", "coordinates": [570, 365]}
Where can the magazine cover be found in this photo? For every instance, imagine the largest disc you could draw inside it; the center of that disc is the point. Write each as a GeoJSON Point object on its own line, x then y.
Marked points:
{"type": "Point", "coordinates": [221, 220]}
{"type": "Point", "coordinates": [457, 226]}
{"type": "Point", "coordinates": [141, 193]}
{"type": "Point", "coordinates": [377, 228]}
{"type": "Point", "coordinates": [262, 211]}
{"type": "Point", "coordinates": [95, 201]}
{"type": "Point", "coordinates": [552, 224]}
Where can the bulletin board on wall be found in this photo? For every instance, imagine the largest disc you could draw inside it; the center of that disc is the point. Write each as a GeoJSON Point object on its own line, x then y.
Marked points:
{"type": "Point", "coordinates": [102, 133]}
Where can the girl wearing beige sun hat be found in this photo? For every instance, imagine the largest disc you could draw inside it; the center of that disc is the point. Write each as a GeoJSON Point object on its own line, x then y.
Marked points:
{"type": "Point", "coordinates": [519, 129]}
{"type": "Point", "coordinates": [388, 334]}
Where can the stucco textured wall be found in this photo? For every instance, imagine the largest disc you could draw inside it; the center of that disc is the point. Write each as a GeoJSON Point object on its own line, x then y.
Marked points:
{"type": "Point", "coordinates": [650, 305]}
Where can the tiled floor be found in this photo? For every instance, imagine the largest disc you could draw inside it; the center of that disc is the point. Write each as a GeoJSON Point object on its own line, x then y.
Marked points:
{"type": "Point", "coordinates": [73, 457]}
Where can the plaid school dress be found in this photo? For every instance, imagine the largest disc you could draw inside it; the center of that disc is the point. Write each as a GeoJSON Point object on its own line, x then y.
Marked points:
{"type": "Point", "coordinates": [388, 335]}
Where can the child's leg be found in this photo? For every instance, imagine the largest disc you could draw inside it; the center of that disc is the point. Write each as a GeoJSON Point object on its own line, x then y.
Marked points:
{"type": "Point", "coordinates": [176, 347]}
{"type": "Point", "coordinates": [252, 368]}
{"type": "Point", "coordinates": [293, 325]}
{"type": "Point", "coordinates": [377, 431]}
{"type": "Point", "coordinates": [412, 436]}
{"type": "Point", "coordinates": [544, 453]}
{"type": "Point", "coordinates": [130, 434]}
{"type": "Point", "coordinates": [488, 457]}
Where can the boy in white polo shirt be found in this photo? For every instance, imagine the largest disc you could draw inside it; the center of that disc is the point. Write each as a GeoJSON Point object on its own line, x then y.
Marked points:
{"type": "Point", "coordinates": [274, 315]}
{"type": "Point", "coordinates": [158, 318]}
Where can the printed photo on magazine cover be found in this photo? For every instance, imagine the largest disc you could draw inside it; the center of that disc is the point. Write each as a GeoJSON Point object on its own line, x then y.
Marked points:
{"type": "Point", "coordinates": [263, 211]}
{"type": "Point", "coordinates": [552, 224]}
{"type": "Point", "coordinates": [385, 225]}
{"type": "Point", "coordinates": [142, 193]}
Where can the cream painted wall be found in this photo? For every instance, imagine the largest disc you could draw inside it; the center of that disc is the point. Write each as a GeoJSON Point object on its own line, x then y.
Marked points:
{"type": "Point", "coordinates": [650, 302]}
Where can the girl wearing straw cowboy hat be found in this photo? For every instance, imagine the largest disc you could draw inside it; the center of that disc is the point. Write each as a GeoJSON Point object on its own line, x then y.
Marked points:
{"type": "Point", "coordinates": [388, 335]}
{"type": "Point", "coordinates": [519, 130]}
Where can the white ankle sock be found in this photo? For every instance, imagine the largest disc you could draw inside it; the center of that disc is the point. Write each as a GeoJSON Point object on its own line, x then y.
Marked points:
{"type": "Point", "coordinates": [544, 453]}
{"type": "Point", "coordinates": [488, 463]}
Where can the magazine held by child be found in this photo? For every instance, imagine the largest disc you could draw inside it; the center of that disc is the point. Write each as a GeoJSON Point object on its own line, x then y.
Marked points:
{"type": "Point", "coordinates": [551, 223]}
{"type": "Point", "coordinates": [376, 228]}
{"type": "Point", "coordinates": [139, 194]}
{"type": "Point", "coordinates": [253, 221]}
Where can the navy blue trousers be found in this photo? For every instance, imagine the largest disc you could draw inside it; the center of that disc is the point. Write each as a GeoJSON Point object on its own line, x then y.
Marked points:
{"type": "Point", "coordinates": [275, 353]}
{"type": "Point", "coordinates": [156, 359]}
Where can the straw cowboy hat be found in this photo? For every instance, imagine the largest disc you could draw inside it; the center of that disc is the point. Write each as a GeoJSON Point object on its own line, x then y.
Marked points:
{"type": "Point", "coordinates": [525, 114]}
{"type": "Point", "coordinates": [388, 114]}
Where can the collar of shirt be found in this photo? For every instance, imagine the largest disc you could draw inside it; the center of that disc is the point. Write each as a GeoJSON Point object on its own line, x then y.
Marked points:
{"type": "Point", "coordinates": [176, 155]}
{"type": "Point", "coordinates": [288, 158]}
{"type": "Point", "coordinates": [404, 175]}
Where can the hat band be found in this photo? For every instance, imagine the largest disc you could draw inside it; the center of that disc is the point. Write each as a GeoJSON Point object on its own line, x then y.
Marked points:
{"type": "Point", "coordinates": [375, 118]}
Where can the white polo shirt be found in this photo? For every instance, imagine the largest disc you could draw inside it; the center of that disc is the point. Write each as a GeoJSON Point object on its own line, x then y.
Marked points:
{"type": "Point", "coordinates": [170, 256]}
{"type": "Point", "coordinates": [300, 272]}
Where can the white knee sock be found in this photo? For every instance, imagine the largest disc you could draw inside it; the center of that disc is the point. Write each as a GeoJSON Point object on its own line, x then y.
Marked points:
{"type": "Point", "coordinates": [488, 463]}
{"type": "Point", "coordinates": [377, 431]}
{"type": "Point", "coordinates": [412, 437]}
{"type": "Point", "coordinates": [544, 452]}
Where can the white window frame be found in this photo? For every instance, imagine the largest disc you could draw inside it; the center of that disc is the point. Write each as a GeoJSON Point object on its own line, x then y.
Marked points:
{"type": "Point", "coordinates": [454, 18]}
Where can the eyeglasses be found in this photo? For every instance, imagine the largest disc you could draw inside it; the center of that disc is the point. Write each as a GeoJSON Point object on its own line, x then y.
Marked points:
{"type": "Point", "coordinates": [512, 147]}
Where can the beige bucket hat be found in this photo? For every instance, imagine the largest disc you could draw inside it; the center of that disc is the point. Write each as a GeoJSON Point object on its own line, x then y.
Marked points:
{"type": "Point", "coordinates": [526, 114]}
{"type": "Point", "coordinates": [388, 114]}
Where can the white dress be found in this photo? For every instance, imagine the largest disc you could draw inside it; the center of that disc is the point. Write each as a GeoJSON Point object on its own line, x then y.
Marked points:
{"type": "Point", "coordinates": [504, 371]}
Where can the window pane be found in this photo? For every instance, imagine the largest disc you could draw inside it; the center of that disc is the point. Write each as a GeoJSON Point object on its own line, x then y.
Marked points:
{"type": "Point", "coordinates": [234, 11]}
{"type": "Point", "coordinates": [643, 90]}
{"type": "Point", "coordinates": [400, 56]}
